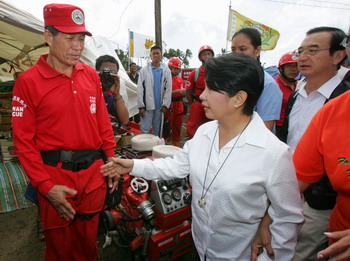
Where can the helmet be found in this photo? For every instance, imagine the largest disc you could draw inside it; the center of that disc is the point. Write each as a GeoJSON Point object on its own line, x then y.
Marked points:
{"type": "Point", "coordinates": [204, 48]}
{"type": "Point", "coordinates": [175, 62]}
{"type": "Point", "coordinates": [290, 57]}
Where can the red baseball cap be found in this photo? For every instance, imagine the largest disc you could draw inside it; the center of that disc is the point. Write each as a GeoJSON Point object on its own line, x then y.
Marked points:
{"type": "Point", "coordinates": [65, 18]}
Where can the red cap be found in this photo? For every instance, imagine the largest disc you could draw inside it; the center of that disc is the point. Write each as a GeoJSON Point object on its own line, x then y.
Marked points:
{"type": "Point", "coordinates": [65, 18]}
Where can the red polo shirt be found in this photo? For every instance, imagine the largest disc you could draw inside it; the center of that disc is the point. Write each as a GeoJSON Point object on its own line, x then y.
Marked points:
{"type": "Point", "coordinates": [52, 111]}
{"type": "Point", "coordinates": [286, 91]}
{"type": "Point", "coordinates": [325, 148]}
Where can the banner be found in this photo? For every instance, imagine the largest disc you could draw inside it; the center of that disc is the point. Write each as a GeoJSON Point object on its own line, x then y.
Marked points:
{"type": "Point", "coordinates": [237, 21]}
{"type": "Point", "coordinates": [140, 44]}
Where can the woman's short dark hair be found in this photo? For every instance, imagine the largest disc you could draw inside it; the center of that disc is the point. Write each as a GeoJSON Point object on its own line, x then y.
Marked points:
{"type": "Point", "coordinates": [253, 34]}
{"type": "Point", "coordinates": [236, 72]}
{"type": "Point", "coordinates": [105, 59]}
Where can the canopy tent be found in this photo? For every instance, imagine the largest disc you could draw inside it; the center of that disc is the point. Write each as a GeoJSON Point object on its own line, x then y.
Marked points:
{"type": "Point", "coordinates": [21, 40]}
{"type": "Point", "coordinates": [22, 43]}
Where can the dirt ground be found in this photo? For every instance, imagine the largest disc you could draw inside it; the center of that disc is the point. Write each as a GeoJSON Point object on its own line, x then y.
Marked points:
{"type": "Point", "coordinates": [19, 240]}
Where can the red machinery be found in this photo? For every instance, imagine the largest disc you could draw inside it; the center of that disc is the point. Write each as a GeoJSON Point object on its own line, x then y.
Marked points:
{"type": "Point", "coordinates": [151, 217]}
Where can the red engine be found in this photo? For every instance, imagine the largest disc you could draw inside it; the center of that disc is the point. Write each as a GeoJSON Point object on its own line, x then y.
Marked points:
{"type": "Point", "coordinates": [151, 217]}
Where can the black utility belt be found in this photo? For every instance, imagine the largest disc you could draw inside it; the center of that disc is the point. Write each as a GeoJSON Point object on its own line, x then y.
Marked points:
{"type": "Point", "coordinates": [74, 160]}
{"type": "Point", "coordinates": [176, 99]}
{"type": "Point", "coordinates": [196, 98]}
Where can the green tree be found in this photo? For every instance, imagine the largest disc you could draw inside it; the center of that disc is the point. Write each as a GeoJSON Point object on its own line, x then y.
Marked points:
{"type": "Point", "coordinates": [184, 56]}
{"type": "Point", "coordinates": [124, 58]}
{"type": "Point", "coordinates": [223, 51]}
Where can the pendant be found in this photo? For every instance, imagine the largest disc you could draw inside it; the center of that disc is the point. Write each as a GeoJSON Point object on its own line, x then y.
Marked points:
{"type": "Point", "coordinates": [201, 202]}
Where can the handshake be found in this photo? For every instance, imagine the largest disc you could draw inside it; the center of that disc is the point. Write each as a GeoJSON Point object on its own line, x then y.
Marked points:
{"type": "Point", "coordinates": [114, 169]}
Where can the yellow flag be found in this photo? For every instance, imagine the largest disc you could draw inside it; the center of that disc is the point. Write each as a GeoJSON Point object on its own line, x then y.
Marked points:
{"type": "Point", "coordinates": [237, 21]}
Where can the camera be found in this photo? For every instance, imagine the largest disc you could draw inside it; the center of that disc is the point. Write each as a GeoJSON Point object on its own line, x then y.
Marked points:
{"type": "Point", "coordinates": [106, 78]}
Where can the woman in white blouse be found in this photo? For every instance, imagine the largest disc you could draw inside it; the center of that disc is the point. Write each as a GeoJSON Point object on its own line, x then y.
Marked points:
{"type": "Point", "coordinates": [238, 169]}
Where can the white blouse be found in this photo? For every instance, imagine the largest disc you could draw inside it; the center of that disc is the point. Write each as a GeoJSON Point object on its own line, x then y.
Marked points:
{"type": "Point", "coordinates": [259, 170]}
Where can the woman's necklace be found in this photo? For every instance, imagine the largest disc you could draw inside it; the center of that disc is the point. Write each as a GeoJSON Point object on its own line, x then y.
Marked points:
{"type": "Point", "coordinates": [202, 201]}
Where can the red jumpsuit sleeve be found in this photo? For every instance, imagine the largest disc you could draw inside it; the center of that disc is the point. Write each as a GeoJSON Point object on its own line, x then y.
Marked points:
{"type": "Point", "coordinates": [308, 157]}
{"type": "Point", "coordinates": [178, 82]}
{"type": "Point", "coordinates": [104, 123]}
{"type": "Point", "coordinates": [190, 80]}
{"type": "Point", "coordinates": [24, 131]}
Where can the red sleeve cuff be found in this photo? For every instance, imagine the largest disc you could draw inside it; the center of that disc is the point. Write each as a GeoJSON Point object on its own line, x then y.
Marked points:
{"type": "Point", "coordinates": [109, 153]}
{"type": "Point", "coordinates": [45, 187]}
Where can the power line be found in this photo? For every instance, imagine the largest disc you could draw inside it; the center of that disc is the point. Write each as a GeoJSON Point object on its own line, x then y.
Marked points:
{"type": "Point", "coordinates": [330, 7]}
{"type": "Point", "coordinates": [328, 2]}
{"type": "Point", "coordinates": [121, 17]}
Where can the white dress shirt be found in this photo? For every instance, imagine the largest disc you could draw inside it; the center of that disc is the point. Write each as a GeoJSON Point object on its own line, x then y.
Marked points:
{"type": "Point", "coordinates": [258, 170]}
{"type": "Point", "coordinates": [305, 107]}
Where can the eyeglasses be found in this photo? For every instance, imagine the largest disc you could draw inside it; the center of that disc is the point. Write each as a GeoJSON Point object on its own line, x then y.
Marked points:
{"type": "Point", "coordinates": [309, 51]}
{"type": "Point", "coordinates": [346, 41]}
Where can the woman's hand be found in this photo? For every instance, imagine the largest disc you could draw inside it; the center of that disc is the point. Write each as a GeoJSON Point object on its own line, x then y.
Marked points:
{"type": "Point", "coordinates": [340, 250]}
{"type": "Point", "coordinates": [114, 169]}
{"type": "Point", "coordinates": [117, 167]}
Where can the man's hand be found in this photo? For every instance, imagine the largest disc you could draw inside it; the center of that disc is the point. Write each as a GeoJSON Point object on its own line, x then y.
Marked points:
{"type": "Point", "coordinates": [164, 109]}
{"type": "Point", "coordinates": [57, 198]}
{"type": "Point", "coordinates": [340, 250]}
{"type": "Point", "coordinates": [142, 112]}
{"type": "Point", "coordinates": [114, 169]}
{"type": "Point", "coordinates": [262, 239]}
{"type": "Point", "coordinates": [116, 86]}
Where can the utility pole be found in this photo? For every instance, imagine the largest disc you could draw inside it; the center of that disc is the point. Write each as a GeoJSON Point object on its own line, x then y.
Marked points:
{"type": "Point", "coordinates": [158, 22]}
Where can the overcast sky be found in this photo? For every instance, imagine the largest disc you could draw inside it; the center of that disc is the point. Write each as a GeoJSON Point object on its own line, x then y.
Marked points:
{"type": "Point", "coordinates": [189, 24]}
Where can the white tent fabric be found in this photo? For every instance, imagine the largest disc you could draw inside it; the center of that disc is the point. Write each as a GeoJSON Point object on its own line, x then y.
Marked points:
{"type": "Point", "coordinates": [96, 46]}
{"type": "Point", "coordinates": [22, 43]}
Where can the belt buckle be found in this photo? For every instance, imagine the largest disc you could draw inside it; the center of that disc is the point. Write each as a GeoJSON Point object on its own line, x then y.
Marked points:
{"type": "Point", "coordinates": [66, 155]}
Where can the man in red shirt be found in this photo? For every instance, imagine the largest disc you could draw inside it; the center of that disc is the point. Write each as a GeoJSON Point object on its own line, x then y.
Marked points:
{"type": "Point", "coordinates": [194, 88]}
{"type": "Point", "coordinates": [177, 107]}
{"type": "Point", "coordinates": [288, 68]}
{"type": "Point", "coordinates": [61, 131]}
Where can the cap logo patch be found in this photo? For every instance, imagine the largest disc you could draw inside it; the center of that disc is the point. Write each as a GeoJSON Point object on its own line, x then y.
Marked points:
{"type": "Point", "coordinates": [78, 17]}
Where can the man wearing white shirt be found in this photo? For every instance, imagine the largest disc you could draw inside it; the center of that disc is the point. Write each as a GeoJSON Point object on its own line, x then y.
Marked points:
{"type": "Point", "coordinates": [320, 56]}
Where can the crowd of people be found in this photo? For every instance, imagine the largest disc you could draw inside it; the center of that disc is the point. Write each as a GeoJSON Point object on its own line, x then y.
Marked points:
{"type": "Point", "coordinates": [273, 177]}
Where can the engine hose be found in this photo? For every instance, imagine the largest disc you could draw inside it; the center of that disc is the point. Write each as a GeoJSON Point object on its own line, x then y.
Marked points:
{"type": "Point", "coordinates": [146, 240]}
{"type": "Point", "coordinates": [129, 217]}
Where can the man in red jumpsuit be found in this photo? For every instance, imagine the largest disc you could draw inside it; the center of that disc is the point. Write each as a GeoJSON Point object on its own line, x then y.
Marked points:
{"type": "Point", "coordinates": [194, 88]}
{"type": "Point", "coordinates": [177, 108]}
{"type": "Point", "coordinates": [288, 68]}
{"type": "Point", "coordinates": [61, 128]}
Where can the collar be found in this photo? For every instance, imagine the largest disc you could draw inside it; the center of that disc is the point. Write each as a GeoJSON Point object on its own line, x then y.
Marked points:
{"type": "Point", "coordinates": [48, 72]}
{"type": "Point", "coordinates": [160, 66]}
{"type": "Point", "coordinates": [253, 134]}
{"type": "Point", "coordinates": [280, 80]}
{"type": "Point", "coordinates": [325, 90]}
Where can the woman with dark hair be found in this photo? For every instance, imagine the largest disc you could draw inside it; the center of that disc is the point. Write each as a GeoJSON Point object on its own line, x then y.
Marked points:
{"type": "Point", "coordinates": [237, 168]}
{"type": "Point", "coordinates": [248, 41]}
